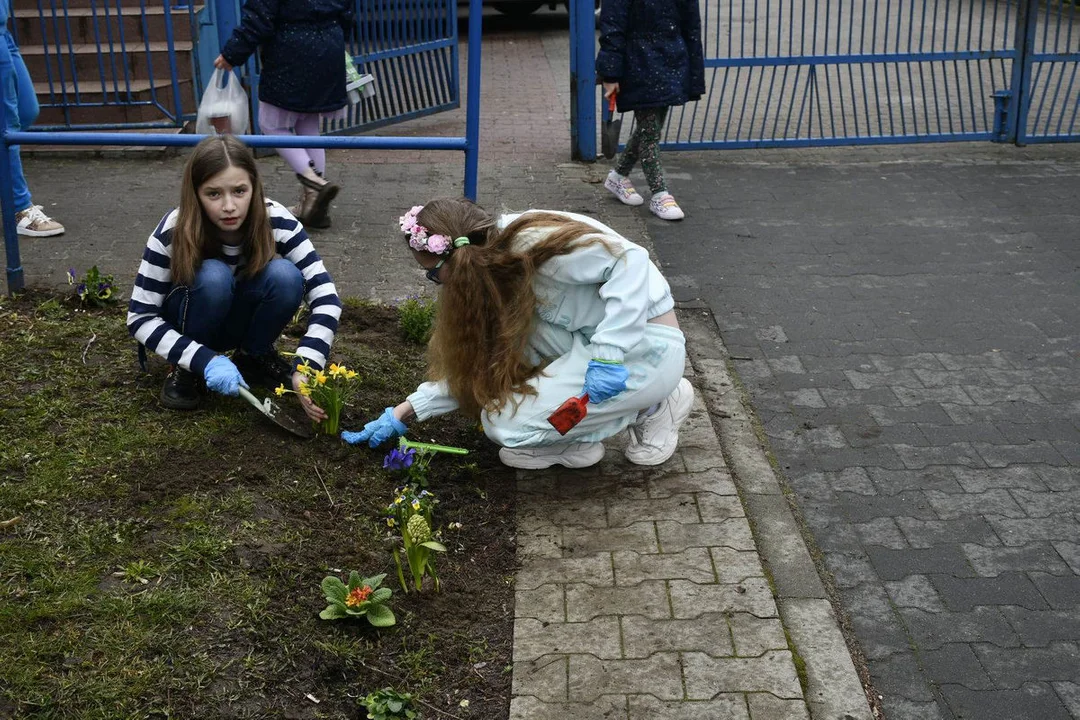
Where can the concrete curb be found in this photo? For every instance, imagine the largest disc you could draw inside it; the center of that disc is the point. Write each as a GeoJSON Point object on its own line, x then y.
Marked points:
{"type": "Point", "coordinates": [833, 690]}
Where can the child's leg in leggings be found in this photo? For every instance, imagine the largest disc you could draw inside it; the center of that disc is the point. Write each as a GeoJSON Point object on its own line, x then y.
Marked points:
{"type": "Point", "coordinates": [309, 125]}
{"type": "Point", "coordinates": [650, 123]}
{"type": "Point", "coordinates": [296, 157]}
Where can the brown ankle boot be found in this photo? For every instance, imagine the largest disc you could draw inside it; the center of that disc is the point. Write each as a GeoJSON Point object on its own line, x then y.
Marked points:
{"type": "Point", "coordinates": [317, 215]}
{"type": "Point", "coordinates": [302, 209]}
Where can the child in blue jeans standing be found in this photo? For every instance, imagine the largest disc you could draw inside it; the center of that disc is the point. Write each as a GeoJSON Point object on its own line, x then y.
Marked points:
{"type": "Point", "coordinates": [227, 270]}
{"type": "Point", "coordinates": [21, 109]}
{"type": "Point", "coordinates": [651, 60]}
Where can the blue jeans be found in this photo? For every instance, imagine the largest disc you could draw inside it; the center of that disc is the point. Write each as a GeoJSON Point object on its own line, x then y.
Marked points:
{"type": "Point", "coordinates": [225, 312]}
{"type": "Point", "coordinates": [20, 108]}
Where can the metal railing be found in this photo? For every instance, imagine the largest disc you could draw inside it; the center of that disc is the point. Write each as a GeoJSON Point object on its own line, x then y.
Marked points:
{"type": "Point", "coordinates": [469, 144]}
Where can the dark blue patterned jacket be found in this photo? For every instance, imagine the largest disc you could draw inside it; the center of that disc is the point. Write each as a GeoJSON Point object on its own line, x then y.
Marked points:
{"type": "Point", "coordinates": [302, 47]}
{"type": "Point", "coordinates": [653, 49]}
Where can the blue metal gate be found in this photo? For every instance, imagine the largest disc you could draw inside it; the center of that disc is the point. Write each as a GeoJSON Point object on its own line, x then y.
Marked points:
{"type": "Point", "coordinates": [796, 73]}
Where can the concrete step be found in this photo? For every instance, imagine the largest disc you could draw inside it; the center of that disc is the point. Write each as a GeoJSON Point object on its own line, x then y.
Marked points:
{"type": "Point", "coordinates": [94, 105]}
{"type": "Point", "coordinates": [93, 25]}
{"type": "Point", "coordinates": [90, 64]}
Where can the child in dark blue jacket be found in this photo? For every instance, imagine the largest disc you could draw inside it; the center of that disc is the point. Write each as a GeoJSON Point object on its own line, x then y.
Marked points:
{"type": "Point", "coordinates": [651, 59]}
{"type": "Point", "coordinates": [302, 47]}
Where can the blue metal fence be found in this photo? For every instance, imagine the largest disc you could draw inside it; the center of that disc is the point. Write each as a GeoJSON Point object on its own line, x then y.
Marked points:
{"type": "Point", "coordinates": [469, 144]}
{"type": "Point", "coordinates": [101, 64]}
{"type": "Point", "coordinates": [796, 73]}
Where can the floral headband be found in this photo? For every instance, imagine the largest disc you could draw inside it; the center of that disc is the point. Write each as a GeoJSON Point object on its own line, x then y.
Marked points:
{"type": "Point", "coordinates": [419, 238]}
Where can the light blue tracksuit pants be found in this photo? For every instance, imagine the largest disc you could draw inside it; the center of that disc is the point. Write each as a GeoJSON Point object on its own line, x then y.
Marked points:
{"type": "Point", "coordinates": [21, 109]}
{"type": "Point", "coordinates": [656, 365]}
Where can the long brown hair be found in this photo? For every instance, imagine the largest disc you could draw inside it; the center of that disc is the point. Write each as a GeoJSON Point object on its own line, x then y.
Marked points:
{"type": "Point", "coordinates": [195, 237]}
{"type": "Point", "coordinates": [487, 303]}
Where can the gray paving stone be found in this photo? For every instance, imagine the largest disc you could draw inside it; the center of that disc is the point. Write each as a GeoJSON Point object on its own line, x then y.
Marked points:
{"type": "Point", "coordinates": [894, 675]}
{"type": "Point", "coordinates": [585, 602]}
{"type": "Point", "coordinates": [542, 678]}
{"type": "Point", "coordinates": [698, 460]}
{"type": "Point", "coordinates": [894, 482]}
{"type": "Point", "coordinates": [692, 564]}
{"type": "Point", "coordinates": [874, 621]}
{"type": "Point", "coordinates": [682, 508]}
{"type": "Point", "coordinates": [598, 636]}
{"type": "Point", "coordinates": [546, 603]}
{"type": "Point", "coordinates": [582, 542]}
{"type": "Point", "coordinates": [881, 531]}
{"type": "Point", "coordinates": [1039, 628]}
{"type": "Point", "coordinates": [1063, 593]}
{"type": "Point", "coordinates": [1070, 552]}
{"type": "Point", "coordinates": [900, 707]}
{"type": "Point", "coordinates": [1069, 692]}
{"type": "Point", "coordinates": [927, 413]}
{"type": "Point", "coordinates": [910, 396]}
{"type": "Point", "coordinates": [708, 633]}
{"type": "Point", "coordinates": [950, 506]}
{"type": "Point", "coordinates": [990, 359]}
{"type": "Point", "coordinates": [715, 481]}
{"type": "Point", "coordinates": [915, 591]}
{"type": "Point", "coordinates": [1044, 504]}
{"type": "Point", "coordinates": [866, 380]}
{"type": "Point", "coordinates": [961, 453]}
{"type": "Point", "coordinates": [1011, 668]}
{"type": "Point", "coordinates": [724, 707]}
{"type": "Point", "coordinates": [772, 672]}
{"type": "Point", "coordinates": [956, 664]}
{"type": "Point", "coordinates": [931, 631]}
{"type": "Point", "coordinates": [590, 512]}
{"type": "Point", "coordinates": [1039, 451]}
{"type": "Point", "coordinates": [765, 706]}
{"type": "Point", "coordinates": [690, 600]}
{"type": "Point", "coordinates": [733, 533]}
{"type": "Point", "coordinates": [1061, 479]}
{"type": "Point", "coordinates": [863, 508]}
{"type": "Point", "coordinates": [1008, 588]}
{"type": "Point", "coordinates": [925, 534]}
{"type": "Point", "coordinates": [977, 480]}
{"type": "Point", "coordinates": [850, 569]}
{"type": "Point", "coordinates": [606, 708]}
{"type": "Point", "coordinates": [943, 378]}
{"type": "Point", "coordinates": [715, 508]}
{"type": "Point", "coordinates": [853, 480]}
{"type": "Point", "coordinates": [991, 561]}
{"type": "Point", "coordinates": [898, 564]}
{"type": "Point", "coordinates": [659, 675]}
{"type": "Point", "coordinates": [1022, 531]}
{"type": "Point", "coordinates": [753, 635]}
{"type": "Point", "coordinates": [595, 570]}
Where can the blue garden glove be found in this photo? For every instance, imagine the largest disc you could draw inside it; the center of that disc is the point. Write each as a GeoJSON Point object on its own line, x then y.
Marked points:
{"type": "Point", "coordinates": [376, 432]}
{"type": "Point", "coordinates": [223, 377]}
{"type": "Point", "coordinates": [604, 380]}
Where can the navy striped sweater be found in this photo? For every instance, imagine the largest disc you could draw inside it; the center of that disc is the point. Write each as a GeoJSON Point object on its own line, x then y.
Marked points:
{"type": "Point", "coordinates": [154, 281]}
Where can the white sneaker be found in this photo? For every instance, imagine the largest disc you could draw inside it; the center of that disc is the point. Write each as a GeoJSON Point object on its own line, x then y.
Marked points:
{"type": "Point", "coordinates": [35, 223]}
{"type": "Point", "coordinates": [653, 438]}
{"type": "Point", "coordinates": [571, 455]}
{"type": "Point", "coordinates": [664, 207]}
{"type": "Point", "coordinates": [621, 187]}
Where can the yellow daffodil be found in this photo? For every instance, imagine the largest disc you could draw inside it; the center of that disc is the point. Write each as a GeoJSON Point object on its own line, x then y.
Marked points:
{"type": "Point", "coordinates": [305, 369]}
{"type": "Point", "coordinates": [320, 377]}
{"type": "Point", "coordinates": [351, 374]}
{"type": "Point", "coordinates": [280, 390]}
{"type": "Point", "coordinates": [337, 370]}
{"type": "Point", "coordinates": [305, 391]}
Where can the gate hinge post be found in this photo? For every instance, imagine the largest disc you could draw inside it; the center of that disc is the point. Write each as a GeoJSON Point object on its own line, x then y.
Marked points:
{"type": "Point", "coordinates": [1002, 101]}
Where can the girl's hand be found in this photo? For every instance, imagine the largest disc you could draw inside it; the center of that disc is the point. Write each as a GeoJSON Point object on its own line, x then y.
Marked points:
{"type": "Point", "coordinates": [222, 64]}
{"type": "Point", "coordinates": [312, 410]}
{"type": "Point", "coordinates": [610, 88]}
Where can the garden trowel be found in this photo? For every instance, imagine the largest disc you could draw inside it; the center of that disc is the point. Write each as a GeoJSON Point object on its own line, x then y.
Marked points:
{"type": "Point", "coordinates": [272, 410]}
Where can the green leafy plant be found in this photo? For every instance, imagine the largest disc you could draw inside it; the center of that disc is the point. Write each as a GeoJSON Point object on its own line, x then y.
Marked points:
{"type": "Point", "coordinates": [94, 289]}
{"type": "Point", "coordinates": [410, 514]}
{"type": "Point", "coordinates": [330, 389]}
{"type": "Point", "coordinates": [415, 317]}
{"type": "Point", "coordinates": [389, 704]}
{"type": "Point", "coordinates": [362, 597]}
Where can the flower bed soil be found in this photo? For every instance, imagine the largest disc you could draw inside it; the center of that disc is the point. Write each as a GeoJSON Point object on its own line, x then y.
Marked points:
{"type": "Point", "coordinates": [165, 564]}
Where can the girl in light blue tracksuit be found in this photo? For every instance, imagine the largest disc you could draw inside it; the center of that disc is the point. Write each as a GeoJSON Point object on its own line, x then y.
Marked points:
{"type": "Point", "coordinates": [536, 308]}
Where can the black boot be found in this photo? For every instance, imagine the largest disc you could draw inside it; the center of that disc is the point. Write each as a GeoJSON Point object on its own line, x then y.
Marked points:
{"type": "Point", "coordinates": [268, 370]}
{"type": "Point", "coordinates": [180, 391]}
{"type": "Point", "coordinates": [318, 215]}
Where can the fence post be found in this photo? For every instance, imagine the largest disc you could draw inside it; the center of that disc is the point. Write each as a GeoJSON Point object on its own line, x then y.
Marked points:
{"type": "Point", "coordinates": [582, 80]}
{"type": "Point", "coordinates": [1021, 71]}
{"type": "Point", "coordinates": [7, 192]}
{"type": "Point", "coordinates": [472, 106]}
{"type": "Point", "coordinates": [227, 17]}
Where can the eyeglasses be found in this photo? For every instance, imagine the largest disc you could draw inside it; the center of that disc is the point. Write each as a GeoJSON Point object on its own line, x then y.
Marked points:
{"type": "Point", "coordinates": [433, 273]}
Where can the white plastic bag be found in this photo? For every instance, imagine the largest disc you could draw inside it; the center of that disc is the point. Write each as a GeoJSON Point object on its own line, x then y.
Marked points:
{"type": "Point", "coordinates": [223, 109]}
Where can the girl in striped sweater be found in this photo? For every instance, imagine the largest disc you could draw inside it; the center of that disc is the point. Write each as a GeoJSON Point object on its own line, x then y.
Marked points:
{"type": "Point", "coordinates": [227, 270]}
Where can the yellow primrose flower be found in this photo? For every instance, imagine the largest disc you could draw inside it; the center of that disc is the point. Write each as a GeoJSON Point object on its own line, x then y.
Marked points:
{"type": "Point", "coordinates": [280, 390]}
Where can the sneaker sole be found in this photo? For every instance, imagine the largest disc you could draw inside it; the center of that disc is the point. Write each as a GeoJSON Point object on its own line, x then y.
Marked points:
{"type": "Point", "coordinates": [681, 413]}
{"type": "Point", "coordinates": [40, 233]}
{"type": "Point", "coordinates": [540, 463]}
{"type": "Point", "coordinates": [624, 201]}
